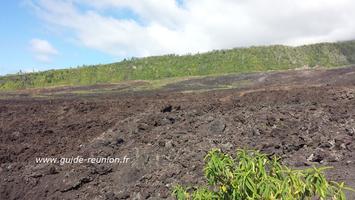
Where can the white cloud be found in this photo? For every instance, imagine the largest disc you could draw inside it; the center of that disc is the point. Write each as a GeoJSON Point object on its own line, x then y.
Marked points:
{"type": "Point", "coordinates": [164, 26]}
{"type": "Point", "coordinates": [43, 50]}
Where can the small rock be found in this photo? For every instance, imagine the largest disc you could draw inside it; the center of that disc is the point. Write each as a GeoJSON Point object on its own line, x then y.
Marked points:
{"type": "Point", "coordinates": [16, 134]}
{"type": "Point", "coordinates": [110, 196]}
{"type": "Point", "coordinates": [163, 121]}
{"type": "Point", "coordinates": [293, 147]}
{"type": "Point", "coordinates": [350, 131]}
{"type": "Point", "coordinates": [168, 108]}
{"type": "Point", "coordinates": [101, 143]}
{"type": "Point", "coordinates": [137, 196]}
{"type": "Point", "coordinates": [334, 157]}
{"type": "Point", "coordinates": [343, 146]}
{"type": "Point", "coordinates": [161, 143]}
{"type": "Point", "coordinates": [36, 175]}
{"type": "Point", "coordinates": [327, 145]}
{"type": "Point", "coordinates": [299, 161]}
{"type": "Point", "coordinates": [118, 141]}
{"type": "Point", "coordinates": [342, 140]}
{"type": "Point", "coordinates": [270, 121]}
{"type": "Point", "coordinates": [142, 127]}
{"type": "Point", "coordinates": [313, 108]}
{"type": "Point", "coordinates": [177, 107]}
{"type": "Point", "coordinates": [318, 156]}
{"type": "Point", "coordinates": [266, 144]}
{"type": "Point", "coordinates": [217, 127]}
{"type": "Point", "coordinates": [256, 131]}
{"type": "Point", "coordinates": [76, 184]}
{"type": "Point", "coordinates": [169, 144]}
{"type": "Point", "coordinates": [227, 146]}
{"type": "Point", "coordinates": [101, 169]}
{"type": "Point", "coordinates": [209, 118]}
{"type": "Point", "coordinates": [124, 195]}
{"type": "Point", "coordinates": [351, 147]}
{"type": "Point", "coordinates": [310, 157]}
{"type": "Point", "coordinates": [53, 170]}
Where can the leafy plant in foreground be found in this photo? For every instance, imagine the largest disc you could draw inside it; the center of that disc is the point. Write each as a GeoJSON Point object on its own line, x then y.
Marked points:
{"type": "Point", "coordinates": [253, 176]}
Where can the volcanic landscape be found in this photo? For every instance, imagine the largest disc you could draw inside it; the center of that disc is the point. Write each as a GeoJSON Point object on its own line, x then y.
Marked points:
{"type": "Point", "coordinates": [305, 116]}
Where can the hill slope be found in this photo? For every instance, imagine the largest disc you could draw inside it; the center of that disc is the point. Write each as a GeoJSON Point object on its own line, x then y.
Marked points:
{"type": "Point", "coordinates": [237, 60]}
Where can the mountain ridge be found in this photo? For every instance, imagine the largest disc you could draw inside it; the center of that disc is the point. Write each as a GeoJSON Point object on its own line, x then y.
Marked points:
{"type": "Point", "coordinates": [236, 60]}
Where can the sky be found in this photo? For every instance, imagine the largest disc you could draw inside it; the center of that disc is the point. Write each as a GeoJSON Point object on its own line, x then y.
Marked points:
{"type": "Point", "coordinates": [38, 35]}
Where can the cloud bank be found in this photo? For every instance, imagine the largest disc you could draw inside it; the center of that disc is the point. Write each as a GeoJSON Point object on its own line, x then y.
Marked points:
{"type": "Point", "coordinates": [154, 27]}
{"type": "Point", "coordinates": [43, 51]}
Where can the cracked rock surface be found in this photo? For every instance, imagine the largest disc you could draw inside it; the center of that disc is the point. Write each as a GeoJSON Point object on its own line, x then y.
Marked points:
{"type": "Point", "coordinates": [166, 134]}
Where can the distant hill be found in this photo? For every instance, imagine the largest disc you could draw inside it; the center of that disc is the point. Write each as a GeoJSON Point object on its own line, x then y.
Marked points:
{"type": "Point", "coordinates": [238, 60]}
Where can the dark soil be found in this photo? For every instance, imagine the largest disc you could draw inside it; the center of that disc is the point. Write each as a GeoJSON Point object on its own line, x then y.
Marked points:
{"type": "Point", "coordinates": [306, 117]}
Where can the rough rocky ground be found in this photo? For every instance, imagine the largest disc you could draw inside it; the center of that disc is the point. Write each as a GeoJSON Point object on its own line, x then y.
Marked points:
{"type": "Point", "coordinates": [307, 117]}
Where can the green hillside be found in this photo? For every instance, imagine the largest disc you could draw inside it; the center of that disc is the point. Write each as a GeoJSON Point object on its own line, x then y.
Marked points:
{"type": "Point", "coordinates": [238, 60]}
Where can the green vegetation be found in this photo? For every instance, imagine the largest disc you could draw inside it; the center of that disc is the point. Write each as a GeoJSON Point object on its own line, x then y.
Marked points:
{"type": "Point", "coordinates": [239, 60]}
{"type": "Point", "coordinates": [254, 176]}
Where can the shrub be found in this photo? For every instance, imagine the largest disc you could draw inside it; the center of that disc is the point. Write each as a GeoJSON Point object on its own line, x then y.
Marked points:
{"type": "Point", "coordinates": [253, 175]}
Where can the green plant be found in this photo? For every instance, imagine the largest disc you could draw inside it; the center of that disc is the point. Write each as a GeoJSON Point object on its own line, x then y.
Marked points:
{"type": "Point", "coordinates": [254, 176]}
{"type": "Point", "coordinates": [238, 60]}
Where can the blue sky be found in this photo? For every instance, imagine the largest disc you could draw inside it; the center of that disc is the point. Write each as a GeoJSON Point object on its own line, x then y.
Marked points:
{"type": "Point", "coordinates": [50, 34]}
{"type": "Point", "coordinates": [19, 25]}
